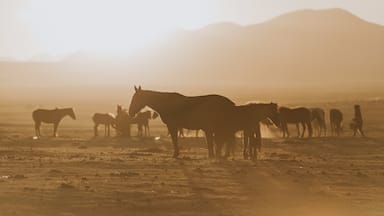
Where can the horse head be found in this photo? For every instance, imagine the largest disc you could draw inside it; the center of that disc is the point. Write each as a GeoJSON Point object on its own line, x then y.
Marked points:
{"type": "Point", "coordinates": [274, 114]}
{"type": "Point", "coordinates": [71, 113]}
{"type": "Point", "coordinates": [138, 102]}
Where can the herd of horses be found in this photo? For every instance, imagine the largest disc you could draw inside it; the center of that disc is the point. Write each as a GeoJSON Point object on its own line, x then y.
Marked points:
{"type": "Point", "coordinates": [217, 116]}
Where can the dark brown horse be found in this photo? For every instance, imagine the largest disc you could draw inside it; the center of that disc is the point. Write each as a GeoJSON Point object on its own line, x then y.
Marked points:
{"type": "Point", "coordinates": [295, 116]}
{"type": "Point", "coordinates": [50, 116]}
{"type": "Point", "coordinates": [107, 119]}
{"type": "Point", "coordinates": [178, 111]}
{"type": "Point", "coordinates": [318, 117]}
{"type": "Point", "coordinates": [256, 113]}
{"type": "Point", "coordinates": [336, 119]}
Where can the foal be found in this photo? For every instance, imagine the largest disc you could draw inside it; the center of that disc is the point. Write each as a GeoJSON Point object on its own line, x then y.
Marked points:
{"type": "Point", "coordinates": [50, 116]}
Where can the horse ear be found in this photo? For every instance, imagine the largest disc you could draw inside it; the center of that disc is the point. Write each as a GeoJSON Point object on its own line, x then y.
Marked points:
{"type": "Point", "coordinates": [139, 87]}
{"type": "Point", "coordinates": [135, 89]}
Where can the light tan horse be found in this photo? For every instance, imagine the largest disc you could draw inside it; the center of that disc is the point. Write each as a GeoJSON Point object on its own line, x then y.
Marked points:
{"type": "Point", "coordinates": [107, 119]}
{"type": "Point", "coordinates": [318, 117]}
{"type": "Point", "coordinates": [52, 117]}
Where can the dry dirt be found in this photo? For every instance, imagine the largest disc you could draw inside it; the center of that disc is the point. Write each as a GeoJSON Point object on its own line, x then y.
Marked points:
{"type": "Point", "coordinates": [76, 174]}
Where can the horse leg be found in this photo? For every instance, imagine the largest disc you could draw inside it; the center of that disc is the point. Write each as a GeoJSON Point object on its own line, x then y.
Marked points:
{"type": "Point", "coordinates": [173, 133]}
{"type": "Point", "coordinates": [246, 136]}
{"type": "Point", "coordinates": [304, 129]}
{"type": "Point", "coordinates": [219, 140]}
{"type": "Point", "coordinates": [95, 129]}
{"type": "Point", "coordinates": [286, 130]}
{"type": "Point", "coordinates": [209, 137]}
{"type": "Point", "coordinates": [37, 129]}
{"type": "Point", "coordinates": [310, 129]}
{"type": "Point", "coordinates": [325, 128]}
{"type": "Point", "coordinates": [109, 129]}
{"type": "Point", "coordinates": [55, 126]}
{"type": "Point", "coordinates": [258, 136]}
{"type": "Point", "coordinates": [298, 129]}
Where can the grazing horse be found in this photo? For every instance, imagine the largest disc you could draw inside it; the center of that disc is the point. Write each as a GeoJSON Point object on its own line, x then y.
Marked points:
{"type": "Point", "coordinates": [297, 115]}
{"type": "Point", "coordinates": [178, 111]}
{"type": "Point", "coordinates": [107, 119]}
{"type": "Point", "coordinates": [318, 115]}
{"type": "Point", "coordinates": [256, 113]}
{"type": "Point", "coordinates": [336, 119]}
{"type": "Point", "coordinates": [142, 120]}
{"type": "Point", "coordinates": [50, 116]}
{"type": "Point", "coordinates": [357, 122]}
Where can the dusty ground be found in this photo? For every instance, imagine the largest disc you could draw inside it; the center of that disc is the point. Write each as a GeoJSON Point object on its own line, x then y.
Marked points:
{"type": "Point", "coordinates": [76, 174]}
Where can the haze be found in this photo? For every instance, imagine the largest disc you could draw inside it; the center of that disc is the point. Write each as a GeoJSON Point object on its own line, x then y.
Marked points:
{"type": "Point", "coordinates": [47, 30]}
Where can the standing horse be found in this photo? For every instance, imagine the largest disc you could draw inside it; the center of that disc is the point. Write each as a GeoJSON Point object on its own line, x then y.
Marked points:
{"type": "Point", "coordinates": [252, 136]}
{"type": "Point", "coordinates": [336, 119]}
{"type": "Point", "coordinates": [297, 115]}
{"type": "Point", "coordinates": [179, 111]}
{"type": "Point", "coordinates": [142, 121]}
{"type": "Point", "coordinates": [50, 116]}
{"type": "Point", "coordinates": [318, 115]}
{"type": "Point", "coordinates": [107, 119]}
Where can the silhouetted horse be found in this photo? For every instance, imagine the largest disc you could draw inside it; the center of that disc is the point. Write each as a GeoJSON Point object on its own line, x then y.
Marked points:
{"type": "Point", "coordinates": [336, 119]}
{"type": "Point", "coordinates": [178, 111]}
{"type": "Point", "coordinates": [123, 122]}
{"type": "Point", "coordinates": [107, 119]}
{"type": "Point", "coordinates": [318, 115]}
{"type": "Point", "coordinates": [248, 118]}
{"type": "Point", "coordinates": [50, 116]}
{"type": "Point", "coordinates": [357, 121]}
{"type": "Point", "coordinates": [297, 115]}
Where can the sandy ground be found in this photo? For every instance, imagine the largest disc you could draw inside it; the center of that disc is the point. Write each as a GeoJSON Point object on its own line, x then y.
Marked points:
{"type": "Point", "coordinates": [76, 174]}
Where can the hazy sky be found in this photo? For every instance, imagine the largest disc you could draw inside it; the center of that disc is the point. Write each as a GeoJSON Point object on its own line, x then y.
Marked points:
{"type": "Point", "coordinates": [38, 28]}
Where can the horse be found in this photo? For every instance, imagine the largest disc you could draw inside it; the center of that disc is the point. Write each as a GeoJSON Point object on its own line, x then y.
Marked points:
{"type": "Point", "coordinates": [142, 120]}
{"type": "Point", "coordinates": [336, 119]}
{"type": "Point", "coordinates": [357, 122]}
{"type": "Point", "coordinates": [179, 111]}
{"type": "Point", "coordinates": [107, 119]}
{"type": "Point", "coordinates": [50, 116]}
{"type": "Point", "coordinates": [296, 115]}
{"type": "Point", "coordinates": [256, 113]}
{"type": "Point", "coordinates": [123, 122]}
{"type": "Point", "coordinates": [318, 115]}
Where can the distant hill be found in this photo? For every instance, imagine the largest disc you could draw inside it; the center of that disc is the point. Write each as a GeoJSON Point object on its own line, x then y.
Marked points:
{"type": "Point", "coordinates": [320, 48]}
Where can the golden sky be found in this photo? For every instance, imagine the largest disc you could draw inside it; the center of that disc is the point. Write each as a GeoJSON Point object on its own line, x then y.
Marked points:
{"type": "Point", "coordinates": [42, 28]}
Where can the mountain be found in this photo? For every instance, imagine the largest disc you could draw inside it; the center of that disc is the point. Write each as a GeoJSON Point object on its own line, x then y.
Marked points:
{"type": "Point", "coordinates": [300, 48]}
{"type": "Point", "coordinates": [304, 49]}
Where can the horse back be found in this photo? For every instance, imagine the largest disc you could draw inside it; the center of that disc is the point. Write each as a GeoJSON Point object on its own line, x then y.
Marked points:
{"type": "Point", "coordinates": [198, 112]}
{"type": "Point", "coordinates": [335, 115]}
{"type": "Point", "coordinates": [45, 115]}
{"type": "Point", "coordinates": [300, 114]}
{"type": "Point", "coordinates": [103, 118]}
